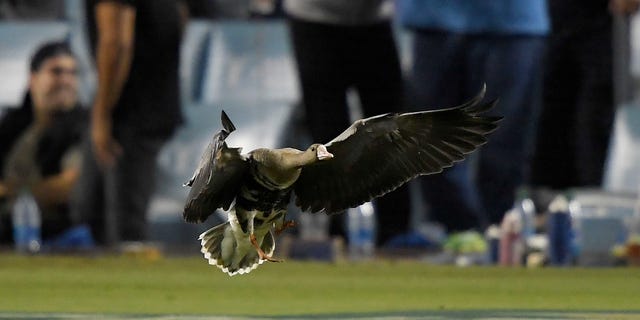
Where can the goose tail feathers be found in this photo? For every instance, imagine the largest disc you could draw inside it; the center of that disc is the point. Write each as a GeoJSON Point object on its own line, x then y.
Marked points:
{"type": "Point", "coordinates": [233, 255]}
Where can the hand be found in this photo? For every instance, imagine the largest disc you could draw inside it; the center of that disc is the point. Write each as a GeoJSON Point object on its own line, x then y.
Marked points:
{"type": "Point", "coordinates": [105, 147]}
{"type": "Point", "coordinates": [7, 190]}
{"type": "Point", "coordinates": [624, 7]}
{"type": "Point", "coordinates": [4, 191]}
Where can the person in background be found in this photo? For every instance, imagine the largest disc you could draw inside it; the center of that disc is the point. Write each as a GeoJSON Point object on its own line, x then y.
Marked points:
{"type": "Point", "coordinates": [32, 10]}
{"type": "Point", "coordinates": [578, 108]}
{"type": "Point", "coordinates": [459, 45]}
{"type": "Point", "coordinates": [40, 141]}
{"type": "Point", "coordinates": [343, 45]}
{"type": "Point", "coordinates": [135, 111]}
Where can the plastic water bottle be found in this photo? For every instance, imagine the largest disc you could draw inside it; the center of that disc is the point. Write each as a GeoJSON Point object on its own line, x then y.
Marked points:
{"type": "Point", "coordinates": [559, 231]}
{"type": "Point", "coordinates": [511, 244]}
{"type": "Point", "coordinates": [527, 210]}
{"type": "Point", "coordinates": [518, 230]}
{"type": "Point", "coordinates": [492, 235]}
{"type": "Point", "coordinates": [528, 213]}
{"type": "Point", "coordinates": [26, 223]}
{"type": "Point", "coordinates": [362, 231]}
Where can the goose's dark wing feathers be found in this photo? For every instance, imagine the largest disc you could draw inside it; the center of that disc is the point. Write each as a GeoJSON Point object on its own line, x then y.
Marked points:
{"type": "Point", "coordinates": [378, 154]}
{"type": "Point", "coordinates": [217, 179]}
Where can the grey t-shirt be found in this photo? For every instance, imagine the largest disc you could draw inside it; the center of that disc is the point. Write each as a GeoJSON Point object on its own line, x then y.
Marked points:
{"type": "Point", "coordinates": [341, 12]}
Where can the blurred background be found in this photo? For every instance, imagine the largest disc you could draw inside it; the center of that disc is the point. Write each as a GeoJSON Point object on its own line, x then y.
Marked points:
{"type": "Point", "coordinates": [237, 55]}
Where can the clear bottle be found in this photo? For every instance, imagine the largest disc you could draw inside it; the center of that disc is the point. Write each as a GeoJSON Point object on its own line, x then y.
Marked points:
{"type": "Point", "coordinates": [362, 231]}
{"type": "Point", "coordinates": [26, 223]}
{"type": "Point", "coordinates": [526, 208]}
{"type": "Point", "coordinates": [516, 230]}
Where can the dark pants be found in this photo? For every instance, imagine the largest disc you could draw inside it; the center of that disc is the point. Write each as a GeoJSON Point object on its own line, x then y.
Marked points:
{"type": "Point", "coordinates": [577, 116]}
{"type": "Point", "coordinates": [333, 59]}
{"type": "Point", "coordinates": [448, 70]}
{"type": "Point", "coordinates": [114, 201]}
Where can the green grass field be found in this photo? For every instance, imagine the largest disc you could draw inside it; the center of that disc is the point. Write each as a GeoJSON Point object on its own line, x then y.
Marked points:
{"type": "Point", "coordinates": [188, 286]}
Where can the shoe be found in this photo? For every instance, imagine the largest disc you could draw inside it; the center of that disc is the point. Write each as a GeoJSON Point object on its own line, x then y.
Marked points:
{"type": "Point", "coordinates": [465, 242]}
{"type": "Point", "coordinates": [72, 239]}
{"type": "Point", "coordinates": [413, 240]}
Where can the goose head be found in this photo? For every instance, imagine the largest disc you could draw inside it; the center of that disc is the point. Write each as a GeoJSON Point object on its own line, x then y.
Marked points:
{"type": "Point", "coordinates": [321, 151]}
{"type": "Point", "coordinates": [298, 159]}
{"type": "Point", "coordinates": [283, 166]}
{"type": "Point", "coordinates": [289, 158]}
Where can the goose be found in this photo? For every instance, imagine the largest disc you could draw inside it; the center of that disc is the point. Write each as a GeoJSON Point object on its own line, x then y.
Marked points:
{"type": "Point", "coordinates": [370, 158]}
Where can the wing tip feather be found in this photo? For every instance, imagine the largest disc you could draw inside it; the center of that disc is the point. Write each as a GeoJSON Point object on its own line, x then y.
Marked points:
{"type": "Point", "coordinates": [226, 122]}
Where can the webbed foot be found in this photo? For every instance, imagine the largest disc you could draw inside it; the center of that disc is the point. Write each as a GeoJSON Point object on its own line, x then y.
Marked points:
{"type": "Point", "coordinates": [285, 225]}
{"type": "Point", "coordinates": [261, 253]}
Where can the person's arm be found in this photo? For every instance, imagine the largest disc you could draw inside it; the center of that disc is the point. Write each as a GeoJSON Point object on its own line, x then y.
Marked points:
{"type": "Point", "coordinates": [52, 190]}
{"type": "Point", "coordinates": [56, 189]}
{"type": "Point", "coordinates": [4, 190]}
{"type": "Point", "coordinates": [183, 11]}
{"type": "Point", "coordinates": [115, 24]}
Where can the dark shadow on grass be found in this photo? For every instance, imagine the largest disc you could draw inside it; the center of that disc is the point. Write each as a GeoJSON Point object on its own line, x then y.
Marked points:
{"type": "Point", "coordinates": [474, 314]}
{"type": "Point", "coordinates": [415, 314]}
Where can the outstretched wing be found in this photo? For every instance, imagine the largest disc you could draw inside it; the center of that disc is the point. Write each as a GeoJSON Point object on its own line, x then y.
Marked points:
{"type": "Point", "coordinates": [217, 179]}
{"type": "Point", "coordinates": [377, 155]}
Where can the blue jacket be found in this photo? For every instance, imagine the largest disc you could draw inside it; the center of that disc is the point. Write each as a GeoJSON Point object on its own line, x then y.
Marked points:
{"type": "Point", "coordinates": [476, 16]}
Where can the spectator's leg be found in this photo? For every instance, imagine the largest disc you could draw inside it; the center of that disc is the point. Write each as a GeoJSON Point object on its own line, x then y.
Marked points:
{"type": "Point", "coordinates": [322, 70]}
{"type": "Point", "coordinates": [594, 107]}
{"type": "Point", "coordinates": [130, 184]}
{"type": "Point", "coordinates": [438, 80]}
{"type": "Point", "coordinates": [553, 163]}
{"type": "Point", "coordinates": [512, 69]}
{"type": "Point", "coordinates": [379, 84]}
{"type": "Point", "coordinates": [87, 200]}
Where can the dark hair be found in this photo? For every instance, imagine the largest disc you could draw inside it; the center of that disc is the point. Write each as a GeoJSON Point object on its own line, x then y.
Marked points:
{"type": "Point", "coordinates": [49, 50]}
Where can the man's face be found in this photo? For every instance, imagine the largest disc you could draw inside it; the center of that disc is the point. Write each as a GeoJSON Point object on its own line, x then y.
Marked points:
{"type": "Point", "coordinates": [54, 87]}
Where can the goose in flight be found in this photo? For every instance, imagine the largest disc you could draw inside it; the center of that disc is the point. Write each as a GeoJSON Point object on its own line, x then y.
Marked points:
{"type": "Point", "coordinates": [370, 158]}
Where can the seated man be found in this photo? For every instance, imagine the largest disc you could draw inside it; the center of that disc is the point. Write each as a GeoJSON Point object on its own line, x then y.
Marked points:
{"type": "Point", "coordinates": [39, 141]}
